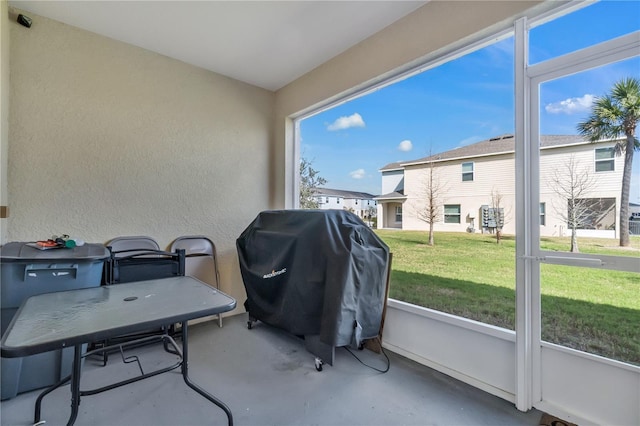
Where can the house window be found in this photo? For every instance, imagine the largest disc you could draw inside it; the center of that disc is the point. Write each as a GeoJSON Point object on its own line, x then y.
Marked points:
{"type": "Point", "coordinates": [356, 201]}
{"type": "Point", "coordinates": [604, 159]}
{"type": "Point", "coordinates": [327, 200]}
{"type": "Point", "coordinates": [452, 213]}
{"type": "Point", "coordinates": [398, 213]}
{"type": "Point", "coordinates": [467, 172]}
{"type": "Point", "coordinates": [543, 210]}
{"type": "Point", "coordinates": [337, 200]}
{"type": "Point", "coordinates": [591, 213]}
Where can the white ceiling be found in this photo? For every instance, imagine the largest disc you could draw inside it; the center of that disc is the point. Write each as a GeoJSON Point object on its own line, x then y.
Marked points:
{"type": "Point", "coordinates": [264, 43]}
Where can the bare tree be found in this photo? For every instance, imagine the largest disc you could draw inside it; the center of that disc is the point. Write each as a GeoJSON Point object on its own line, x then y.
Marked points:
{"type": "Point", "coordinates": [309, 181]}
{"type": "Point", "coordinates": [371, 212]}
{"type": "Point", "coordinates": [572, 183]}
{"type": "Point", "coordinates": [497, 214]}
{"type": "Point", "coordinates": [430, 209]}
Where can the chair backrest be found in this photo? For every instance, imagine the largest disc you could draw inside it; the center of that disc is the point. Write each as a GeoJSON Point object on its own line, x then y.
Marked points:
{"type": "Point", "coordinates": [130, 265]}
{"type": "Point", "coordinates": [201, 258]}
{"type": "Point", "coordinates": [133, 242]}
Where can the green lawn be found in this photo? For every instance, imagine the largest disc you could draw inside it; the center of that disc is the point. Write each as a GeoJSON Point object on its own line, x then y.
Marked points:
{"type": "Point", "coordinates": [597, 311]}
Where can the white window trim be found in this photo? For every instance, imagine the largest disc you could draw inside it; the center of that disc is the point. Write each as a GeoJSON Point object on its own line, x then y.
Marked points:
{"type": "Point", "coordinates": [458, 215]}
{"type": "Point", "coordinates": [528, 252]}
{"type": "Point", "coordinates": [472, 172]}
{"type": "Point", "coordinates": [603, 160]}
{"type": "Point", "coordinates": [398, 214]}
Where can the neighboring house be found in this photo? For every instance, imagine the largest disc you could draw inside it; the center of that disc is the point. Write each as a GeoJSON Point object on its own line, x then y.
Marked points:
{"type": "Point", "coordinates": [469, 175]}
{"type": "Point", "coordinates": [634, 209]}
{"type": "Point", "coordinates": [634, 220]}
{"type": "Point", "coordinates": [390, 203]}
{"type": "Point", "coordinates": [360, 203]}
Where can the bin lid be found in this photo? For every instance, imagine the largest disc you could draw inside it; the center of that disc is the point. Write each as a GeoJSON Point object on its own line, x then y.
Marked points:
{"type": "Point", "coordinates": [25, 252]}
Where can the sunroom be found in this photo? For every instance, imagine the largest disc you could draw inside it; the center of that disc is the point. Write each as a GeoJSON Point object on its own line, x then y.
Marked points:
{"type": "Point", "coordinates": [108, 129]}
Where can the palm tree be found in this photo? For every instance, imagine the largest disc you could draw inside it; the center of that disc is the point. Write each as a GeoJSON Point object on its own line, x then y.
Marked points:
{"type": "Point", "coordinates": [612, 116]}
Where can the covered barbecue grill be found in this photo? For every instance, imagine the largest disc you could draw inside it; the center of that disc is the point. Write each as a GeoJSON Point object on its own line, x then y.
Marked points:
{"type": "Point", "coordinates": [319, 274]}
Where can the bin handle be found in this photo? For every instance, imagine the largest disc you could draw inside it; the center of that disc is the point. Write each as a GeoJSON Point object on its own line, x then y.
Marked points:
{"type": "Point", "coordinates": [54, 269]}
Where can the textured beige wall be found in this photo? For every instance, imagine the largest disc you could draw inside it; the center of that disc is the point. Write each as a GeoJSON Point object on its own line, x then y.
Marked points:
{"type": "Point", "coordinates": [108, 139]}
{"type": "Point", "coordinates": [4, 111]}
{"type": "Point", "coordinates": [436, 26]}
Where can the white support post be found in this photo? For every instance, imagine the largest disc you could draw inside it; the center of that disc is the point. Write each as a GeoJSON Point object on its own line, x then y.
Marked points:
{"type": "Point", "coordinates": [524, 365]}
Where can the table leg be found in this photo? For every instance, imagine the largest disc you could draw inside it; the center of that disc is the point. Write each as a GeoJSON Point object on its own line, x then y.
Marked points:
{"type": "Point", "coordinates": [38, 408]}
{"type": "Point", "coordinates": [75, 384]}
{"type": "Point", "coordinates": [185, 375]}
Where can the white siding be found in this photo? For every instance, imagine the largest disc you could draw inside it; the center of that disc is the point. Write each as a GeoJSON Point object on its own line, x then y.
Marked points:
{"type": "Point", "coordinates": [361, 207]}
{"type": "Point", "coordinates": [392, 181]}
{"type": "Point", "coordinates": [497, 173]}
{"type": "Point", "coordinates": [605, 185]}
{"type": "Point", "coordinates": [330, 202]}
{"type": "Point", "coordinates": [358, 206]}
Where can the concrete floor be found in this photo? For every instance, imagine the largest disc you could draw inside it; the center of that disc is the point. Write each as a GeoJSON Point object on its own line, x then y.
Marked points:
{"type": "Point", "coordinates": [267, 377]}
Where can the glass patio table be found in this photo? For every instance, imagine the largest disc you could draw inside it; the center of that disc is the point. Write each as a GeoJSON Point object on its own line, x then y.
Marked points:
{"type": "Point", "coordinates": [74, 318]}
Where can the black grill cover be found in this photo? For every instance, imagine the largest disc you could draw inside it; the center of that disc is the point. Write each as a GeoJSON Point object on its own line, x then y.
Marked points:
{"type": "Point", "coordinates": [314, 272]}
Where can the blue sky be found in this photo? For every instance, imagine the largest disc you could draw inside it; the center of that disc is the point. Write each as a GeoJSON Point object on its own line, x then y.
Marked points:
{"type": "Point", "coordinates": [465, 101]}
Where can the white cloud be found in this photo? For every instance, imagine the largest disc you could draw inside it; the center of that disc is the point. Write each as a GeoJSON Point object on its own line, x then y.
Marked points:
{"type": "Point", "coordinates": [405, 145]}
{"type": "Point", "coordinates": [354, 120]}
{"type": "Point", "coordinates": [357, 174]}
{"type": "Point", "coordinates": [571, 105]}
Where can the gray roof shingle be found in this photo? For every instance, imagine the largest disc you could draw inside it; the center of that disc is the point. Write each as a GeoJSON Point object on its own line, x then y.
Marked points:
{"type": "Point", "coordinates": [399, 195]}
{"type": "Point", "coordinates": [497, 145]}
{"type": "Point", "coordinates": [392, 166]}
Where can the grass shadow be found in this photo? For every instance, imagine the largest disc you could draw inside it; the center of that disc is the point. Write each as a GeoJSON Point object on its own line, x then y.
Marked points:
{"type": "Point", "coordinates": [601, 329]}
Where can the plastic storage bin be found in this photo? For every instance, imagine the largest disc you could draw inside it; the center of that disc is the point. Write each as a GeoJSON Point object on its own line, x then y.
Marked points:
{"type": "Point", "coordinates": [27, 271]}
